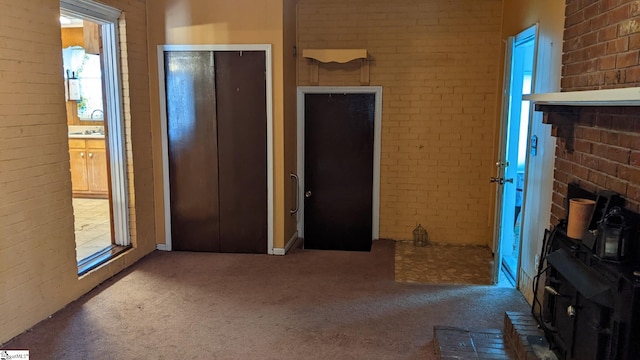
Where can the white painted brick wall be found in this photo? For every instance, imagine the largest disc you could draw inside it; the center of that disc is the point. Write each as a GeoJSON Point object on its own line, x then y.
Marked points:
{"type": "Point", "coordinates": [38, 272]}
{"type": "Point", "coordinates": [438, 63]}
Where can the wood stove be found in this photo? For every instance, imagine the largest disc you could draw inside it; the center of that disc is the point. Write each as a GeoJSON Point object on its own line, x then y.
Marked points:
{"type": "Point", "coordinates": [591, 307]}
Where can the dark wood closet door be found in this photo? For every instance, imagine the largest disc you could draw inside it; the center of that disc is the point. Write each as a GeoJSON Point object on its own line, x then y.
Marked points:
{"type": "Point", "coordinates": [242, 150]}
{"type": "Point", "coordinates": [193, 158]}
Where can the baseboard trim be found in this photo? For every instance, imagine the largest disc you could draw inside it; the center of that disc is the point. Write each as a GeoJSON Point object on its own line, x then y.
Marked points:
{"type": "Point", "coordinates": [525, 285]}
{"type": "Point", "coordinates": [161, 247]}
{"type": "Point", "coordinates": [292, 241]}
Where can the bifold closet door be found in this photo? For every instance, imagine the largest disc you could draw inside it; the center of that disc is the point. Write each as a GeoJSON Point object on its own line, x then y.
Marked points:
{"type": "Point", "coordinates": [193, 151]}
{"type": "Point", "coordinates": [242, 150]}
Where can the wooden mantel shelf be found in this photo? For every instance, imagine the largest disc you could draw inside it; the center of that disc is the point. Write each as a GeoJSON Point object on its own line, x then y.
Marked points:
{"type": "Point", "coordinates": [607, 97]}
{"type": "Point", "coordinates": [563, 109]}
{"type": "Point", "coordinates": [341, 56]}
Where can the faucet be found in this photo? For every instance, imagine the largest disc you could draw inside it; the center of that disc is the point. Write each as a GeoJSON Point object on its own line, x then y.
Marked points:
{"type": "Point", "coordinates": [97, 110]}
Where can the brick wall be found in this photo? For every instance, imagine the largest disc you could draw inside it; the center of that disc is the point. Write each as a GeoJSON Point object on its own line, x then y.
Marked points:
{"type": "Point", "coordinates": [438, 63]}
{"type": "Point", "coordinates": [601, 43]}
{"type": "Point", "coordinates": [36, 220]}
{"type": "Point", "coordinates": [38, 270]}
{"type": "Point", "coordinates": [605, 156]}
{"type": "Point", "coordinates": [600, 148]}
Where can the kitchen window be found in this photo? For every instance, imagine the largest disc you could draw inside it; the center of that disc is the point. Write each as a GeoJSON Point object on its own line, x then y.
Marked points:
{"type": "Point", "coordinates": [85, 69]}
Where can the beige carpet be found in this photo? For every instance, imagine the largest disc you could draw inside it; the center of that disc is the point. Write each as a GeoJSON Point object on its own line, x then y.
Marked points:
{"type": "Point", "coordinates": [443, 264]}
{"type": "Point", "coordinates": [305, 305]}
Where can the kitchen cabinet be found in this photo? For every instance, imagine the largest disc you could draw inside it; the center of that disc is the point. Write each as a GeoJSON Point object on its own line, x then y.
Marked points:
{"type": "Point", "coordinates": [78, 162]}
{"type": "Point", "coordinates": [88, 165]}
{"type": "Point", "coordinates": [91, 32]}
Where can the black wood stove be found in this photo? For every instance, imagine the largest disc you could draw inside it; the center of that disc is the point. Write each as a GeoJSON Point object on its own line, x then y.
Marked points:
{"type": "Point", "coordinates": [591, 306]}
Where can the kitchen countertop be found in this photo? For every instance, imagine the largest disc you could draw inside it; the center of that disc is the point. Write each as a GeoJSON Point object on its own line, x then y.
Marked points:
{"type": "Point", "coordinates": [96, 136]}
{"type": "Point", "coordinates": [85, 132]}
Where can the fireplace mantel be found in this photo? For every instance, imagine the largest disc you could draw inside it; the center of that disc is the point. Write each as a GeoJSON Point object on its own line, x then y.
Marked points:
{"type": "Point", "coordinates": [607, 97]}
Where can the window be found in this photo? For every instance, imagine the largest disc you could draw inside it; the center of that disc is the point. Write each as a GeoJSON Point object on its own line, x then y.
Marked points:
{"type": "Point", "coordinates": [85, 68]}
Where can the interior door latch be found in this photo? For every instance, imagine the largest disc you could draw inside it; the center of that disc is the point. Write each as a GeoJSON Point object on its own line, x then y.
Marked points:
{"type": "Point", "coordinates": [501, 181]}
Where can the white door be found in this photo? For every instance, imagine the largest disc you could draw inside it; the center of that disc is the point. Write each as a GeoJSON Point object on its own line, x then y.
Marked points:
{"type": "Point", "coordinates": [511, 165]}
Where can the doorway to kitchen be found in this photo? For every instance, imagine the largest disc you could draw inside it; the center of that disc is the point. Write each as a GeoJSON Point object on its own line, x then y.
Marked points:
{"type": "Point", "coordinates": [95, 131]}
{"type": "Point", "coordinates": [511, 165]}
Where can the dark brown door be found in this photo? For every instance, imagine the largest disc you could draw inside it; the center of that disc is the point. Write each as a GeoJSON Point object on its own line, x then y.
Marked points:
{"type": "Point", "coordinates": [242, 150]}
{"type": "Point", "coordinates": [193, 159]}
{"type": "Point", "coordinates": [338, 174]}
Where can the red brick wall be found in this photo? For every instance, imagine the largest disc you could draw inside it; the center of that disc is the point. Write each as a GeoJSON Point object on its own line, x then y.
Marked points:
{"type": "Point", "coordinates": [601, 149]}
{"type": "Point", "coordinates": [601, 44]}
{"type": "Point", "coordinates": [606, 155]}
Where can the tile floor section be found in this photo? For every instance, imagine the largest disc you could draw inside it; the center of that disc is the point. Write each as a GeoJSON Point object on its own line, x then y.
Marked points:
{"type": "Point", "coordinates": [92, 226]}
{"type": "Point", "coordinates": [443, 264]}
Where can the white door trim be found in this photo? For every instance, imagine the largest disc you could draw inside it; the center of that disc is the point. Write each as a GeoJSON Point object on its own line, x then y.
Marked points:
{"type": "Point", "coordinates": [377, 90]}
{"type": "Point", "coordinates": [167, 246]}
{"type": "Point", "coordinates": [107, 17]}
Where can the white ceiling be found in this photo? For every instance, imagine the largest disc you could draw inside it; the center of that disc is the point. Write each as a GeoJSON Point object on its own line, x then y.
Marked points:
{"type": "Point", "coordinates": [69, 22]}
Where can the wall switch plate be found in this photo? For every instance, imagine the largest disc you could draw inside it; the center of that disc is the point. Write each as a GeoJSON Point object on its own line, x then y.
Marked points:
{"type": "Point", "coordinates": [534, 145]}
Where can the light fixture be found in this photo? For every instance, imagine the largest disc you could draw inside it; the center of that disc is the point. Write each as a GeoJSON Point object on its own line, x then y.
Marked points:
{"type": "Point", "coordinates": [611, 238]}
{"type": "Point", "coordinates": [65, 20]}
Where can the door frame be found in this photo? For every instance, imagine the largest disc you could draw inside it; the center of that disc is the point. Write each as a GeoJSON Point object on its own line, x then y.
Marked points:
{"type": "Point", "coordinates": [161, 49]}
{"type": "Point", "coordinates": [377, 91]}
{"type": "Point", "coordinates": [512, 41]}
{"type": "Point", "coordinates": [107, 17]}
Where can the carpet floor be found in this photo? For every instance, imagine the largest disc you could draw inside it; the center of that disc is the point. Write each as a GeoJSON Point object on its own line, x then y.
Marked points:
{"type": "Point", "coordinates": [305, 305]}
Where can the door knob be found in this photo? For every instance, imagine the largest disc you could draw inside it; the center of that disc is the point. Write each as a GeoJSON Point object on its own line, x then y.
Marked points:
{"type": "Point", "coordinates": [501, 181]}
{"type": "Point", "coordinates": [307, 194]}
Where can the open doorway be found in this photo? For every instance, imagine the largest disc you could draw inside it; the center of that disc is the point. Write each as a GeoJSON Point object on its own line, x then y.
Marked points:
{"type": "Point", "coordinates": [511, 165]}
{"type": "Point", "coordinates": [86, 132]}
{"type": "Point", "coordinates": [95, 131]}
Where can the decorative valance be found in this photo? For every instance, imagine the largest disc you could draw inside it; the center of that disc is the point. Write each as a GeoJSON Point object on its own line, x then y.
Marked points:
{"type": "Point", "coordinates": [341, 56]}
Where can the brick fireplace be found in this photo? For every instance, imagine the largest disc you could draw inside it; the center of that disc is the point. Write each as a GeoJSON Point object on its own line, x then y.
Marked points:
{"type": "Point", "coordinates": [593, 309]}
{"type": "Point", "coordinates": [599, 147]}
{"type": "Point", "coordinates": [597, 150]}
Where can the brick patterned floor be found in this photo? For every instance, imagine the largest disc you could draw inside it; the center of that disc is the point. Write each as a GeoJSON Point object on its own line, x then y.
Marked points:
{"type": "Point", "coordinates": [458, 343]}
{"type": "Point", "coordinates": [443, 264]}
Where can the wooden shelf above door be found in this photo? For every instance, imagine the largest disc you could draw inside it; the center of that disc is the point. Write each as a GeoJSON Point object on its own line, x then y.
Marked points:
{"type": "Point", "coordinates": [341, 56]}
